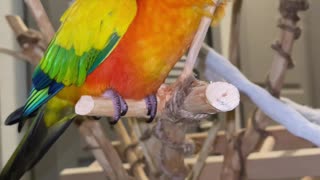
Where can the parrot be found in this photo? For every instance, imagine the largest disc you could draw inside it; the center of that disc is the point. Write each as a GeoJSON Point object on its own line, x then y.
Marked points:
{"type": "Point", "coordinates": [117, 49]}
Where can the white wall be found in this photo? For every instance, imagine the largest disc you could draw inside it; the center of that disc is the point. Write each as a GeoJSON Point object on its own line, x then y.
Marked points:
{"type": "Point", "coordinates": [12, 80]}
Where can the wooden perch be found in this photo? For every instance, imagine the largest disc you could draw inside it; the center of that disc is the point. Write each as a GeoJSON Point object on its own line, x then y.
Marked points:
{"type": "Point", "coordinates": [207, 98]}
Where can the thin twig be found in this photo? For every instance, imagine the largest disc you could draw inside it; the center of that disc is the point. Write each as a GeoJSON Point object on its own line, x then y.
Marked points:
{"type": "Point", "coordinates": [138, 170]}
{"type": "Point", "coordinates": [17, 24]}
{"type": "Point", "coordinates": [205, 150]}
{"type": "Point", "coordinates": [16, 54]}
{"type": "Point", "coordinates": [149, 159]}
{"type": "Point", "coordinates": [102, 149]}
{"type": "Point", "coordinates": [228, 170]}
{"type": "Point", "coordinates": [196, 43]}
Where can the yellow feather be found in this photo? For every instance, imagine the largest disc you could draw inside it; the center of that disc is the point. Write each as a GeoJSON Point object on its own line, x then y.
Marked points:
{"type": "Point", "coordinates": [95, 21]}
{"type": "Point", "coordinates": [56, 109]}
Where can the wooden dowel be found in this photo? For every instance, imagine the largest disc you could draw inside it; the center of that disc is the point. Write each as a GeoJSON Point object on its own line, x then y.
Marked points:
{"type": "Point", "coordinates": [268, 144]}
{"type": "Point", "coordinates": [197, 42]}
{"type": "Point", "coordinates": [212, 98]}
{"type": "Point", "coordinates": [138, 170]}
{"type": "Point", "coordinates": [205, 151]}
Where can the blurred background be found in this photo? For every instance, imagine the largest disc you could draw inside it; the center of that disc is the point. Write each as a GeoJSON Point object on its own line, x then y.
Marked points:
{"type": "Point", "coordinates": [258, 31]}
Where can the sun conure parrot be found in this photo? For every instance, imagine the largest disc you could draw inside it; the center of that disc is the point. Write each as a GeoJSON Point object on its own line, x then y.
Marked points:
{"type": "Point", "coordinates": [119, 49]}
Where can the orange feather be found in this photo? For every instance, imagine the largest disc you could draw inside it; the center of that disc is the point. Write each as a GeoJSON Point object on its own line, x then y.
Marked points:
{"type": "Point", "coordinates": [160, 34]}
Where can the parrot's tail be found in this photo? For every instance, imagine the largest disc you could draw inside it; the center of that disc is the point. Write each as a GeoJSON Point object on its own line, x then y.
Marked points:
{"type": "Point", "coordinates": [36, 142]}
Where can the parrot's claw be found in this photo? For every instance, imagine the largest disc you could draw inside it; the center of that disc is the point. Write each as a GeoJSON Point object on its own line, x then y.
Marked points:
{"type": "Point", "coordinates": [151, 103]}
{"type": "Point", "coordinates": [124, 106]}
{"type": "Point", "coordinates": [119, 104]}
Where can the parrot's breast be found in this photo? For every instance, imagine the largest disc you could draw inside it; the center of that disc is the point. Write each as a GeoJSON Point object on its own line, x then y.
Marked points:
{"type": "Point", "coordinates": [160, 34]}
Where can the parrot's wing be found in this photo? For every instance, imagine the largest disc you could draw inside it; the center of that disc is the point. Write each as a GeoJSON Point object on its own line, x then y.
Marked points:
{"type": "Point", "coordinates": [89, 32]}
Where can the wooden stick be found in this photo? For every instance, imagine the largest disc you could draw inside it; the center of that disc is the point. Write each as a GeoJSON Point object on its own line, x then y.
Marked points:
{"type": "Point", "coordinates": [268, 144]}
{"type": "Point", "coordinates": [228, 170]}
{"type": "Point", "coordinates": [138, 170]}
{"type": "Point", "coordinates": [32, 51]}
{"type": "Point", "coordinates": [151, 161]}
{"type": "Point", "coordinates": [102, 149]}
{"type": "Point", "coordinates": [205, 150]}
{"type": "Point", "coordinates": [197, 42]}
{"type": "Point", "coordinates": [17, 24]}
{"type": "Point", "coordinates": [212, 98]}
{"type": "Point", "coordinates": [41, 18]}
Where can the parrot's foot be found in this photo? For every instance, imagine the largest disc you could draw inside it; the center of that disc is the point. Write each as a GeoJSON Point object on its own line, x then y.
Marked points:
{"type": "Point", "coordinates": [151, 103]}
{"type": "Point", "coordinates": [119, 104]}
